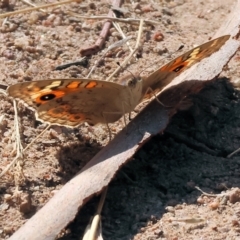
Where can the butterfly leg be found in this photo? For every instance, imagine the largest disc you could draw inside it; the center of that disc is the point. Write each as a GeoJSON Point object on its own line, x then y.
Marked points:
{"type": "Point", "coordinates": [152, 93]}
{"type": "Point", "coordinates": [124, 116]}
{"type": "Point", "coordinates": [129, 116]}
{"type": "Point", "coordinates": [109, 132]}
{"type": "Point", "coordinates": [125, 120]}
{"type": "Point", "coordinates": [105, 114]}
{"type": "Point", "coordinates": [150, 90]}
{"type": "Point", "coordinates": [108, 128]}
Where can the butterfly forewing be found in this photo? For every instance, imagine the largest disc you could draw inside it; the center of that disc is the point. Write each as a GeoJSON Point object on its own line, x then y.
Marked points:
{"type": "Point", "coordinates": [73, 101]}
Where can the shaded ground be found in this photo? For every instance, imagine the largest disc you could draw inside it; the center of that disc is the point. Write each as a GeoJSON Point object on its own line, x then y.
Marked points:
{"type": "Point", "coordinates": [154, 196]}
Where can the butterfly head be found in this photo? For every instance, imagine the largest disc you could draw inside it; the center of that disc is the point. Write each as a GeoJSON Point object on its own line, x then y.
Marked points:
{"type": "Point", "coordinates": [133, 82]}
{"type": "Point", "coordinates": [130, 81]}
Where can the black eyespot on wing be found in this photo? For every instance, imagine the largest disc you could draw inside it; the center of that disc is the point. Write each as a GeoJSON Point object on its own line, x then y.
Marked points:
{"type": "Point", "coordinates": [77, 117]}
{"type": "Point", "coordinates": [177, 69]}
{"type": "Point", "coordinates": [47, 97]}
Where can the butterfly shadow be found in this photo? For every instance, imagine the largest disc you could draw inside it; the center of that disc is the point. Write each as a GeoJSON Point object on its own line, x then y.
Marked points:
{"type": "Point", "coordinates": [76, 153]}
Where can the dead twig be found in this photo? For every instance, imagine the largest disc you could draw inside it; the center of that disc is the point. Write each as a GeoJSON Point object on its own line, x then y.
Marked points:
{"type": "Point", "coordinates": [233, 153]}
{"type": "Point", "coordinates": [83, 62]}
{"type": "Point", "coordinates": [103, 35]}
{"type": "Point", "coordinates": [206, 194]}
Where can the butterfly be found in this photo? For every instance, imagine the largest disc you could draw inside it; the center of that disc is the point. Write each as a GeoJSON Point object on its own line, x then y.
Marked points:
{"type": "Point", "coordinates": [71, 102]}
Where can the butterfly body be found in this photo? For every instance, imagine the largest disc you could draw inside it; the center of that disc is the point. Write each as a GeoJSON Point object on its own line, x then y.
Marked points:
{"type": "Point", "coordinates": [70, 102]}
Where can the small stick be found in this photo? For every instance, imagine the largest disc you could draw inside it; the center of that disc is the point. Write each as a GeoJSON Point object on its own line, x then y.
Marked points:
{"type": "Point", "coordinates": [233, 153]}
{"type": "Point", "coordinates": [82, 62]}
{"type": "Point", "coordinates": [103, 35]}
{"type": "Point", "coordinates": [206, 194]}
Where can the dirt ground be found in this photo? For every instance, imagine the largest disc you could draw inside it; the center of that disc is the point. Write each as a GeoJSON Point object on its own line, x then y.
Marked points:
{"type": "Point", "coordinates": [154, 196]}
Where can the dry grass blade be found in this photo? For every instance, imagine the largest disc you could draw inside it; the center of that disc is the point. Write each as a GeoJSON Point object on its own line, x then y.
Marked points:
{"type": "Point", "coordinates": [91, 234]}
{"type": "Point", "coordinates": [3, 15]}
{"type": "Point", "coordinates": [3, 91]}
{"type": "Point", "coordinates": [31, 4]}
{"type": "Point", "coordinates": [123, 20]}
{"type": "Point", "coordinates": [1, 118]}
{"type": "Point", "coordinates": [119, 43]}
{"type": "Point", "coordinates": [14, 161]}
{"type": "Point", "coordinates": [111, 47]}
{"type": "Point", "coordinates": [125, 62]}
{"type": "Point", "coordinates": [17, 131]}
{"type": "Point", "coordinates": [18, 145]}
{"type": "Point", "coordinates": [189, 220]}
{"type": "Point", "coordinates": [117, 26]}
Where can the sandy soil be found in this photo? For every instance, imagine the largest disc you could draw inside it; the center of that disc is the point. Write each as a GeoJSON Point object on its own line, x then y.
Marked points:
{"type": "Point", "coordinates": [153, 196]}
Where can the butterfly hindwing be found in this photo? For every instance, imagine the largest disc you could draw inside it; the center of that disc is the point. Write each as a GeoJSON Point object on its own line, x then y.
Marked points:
{"type": "Point", "coordinates": [164, 75]}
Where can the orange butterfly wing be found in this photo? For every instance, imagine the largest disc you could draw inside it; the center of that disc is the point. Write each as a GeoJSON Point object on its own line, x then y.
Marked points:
{"type": "Point", "coordinates": [159, 79]}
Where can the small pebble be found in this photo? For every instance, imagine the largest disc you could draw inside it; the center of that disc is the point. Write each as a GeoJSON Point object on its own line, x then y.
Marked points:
{"type": "Point", "coordinates": [158, 36]}
{"type": "Point", "coordinates": [200, 200]}
{"type": "Point", "coordinates": [26, 204]}
{"type": "Point", "coordinates": [214, 205]}
{"type": "Point", "coordinates": [170, 209]}
{"type": "Point", "coordinates": [234, 196]}
{"type": "Point", "coordinates": [147, 8]}
{"type": "Point", "coordinates": [235, 223]}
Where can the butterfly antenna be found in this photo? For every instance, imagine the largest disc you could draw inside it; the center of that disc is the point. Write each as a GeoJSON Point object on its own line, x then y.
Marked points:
{"type": "Point", "coordinates": [170, 54]}
{"type": "Point", "coordinates": [126, 70]}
